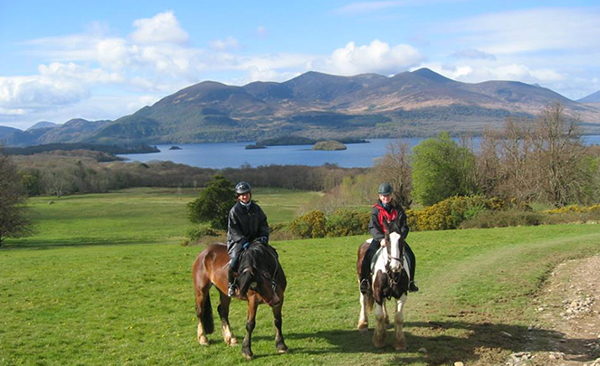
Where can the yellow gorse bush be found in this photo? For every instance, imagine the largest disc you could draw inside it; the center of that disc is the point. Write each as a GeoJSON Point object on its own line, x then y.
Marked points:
{"type": "Point", "coordinates": [573, 209]}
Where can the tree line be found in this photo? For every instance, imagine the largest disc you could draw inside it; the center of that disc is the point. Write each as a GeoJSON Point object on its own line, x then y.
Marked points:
{"type": "Point", "coordinates": [542, 160]}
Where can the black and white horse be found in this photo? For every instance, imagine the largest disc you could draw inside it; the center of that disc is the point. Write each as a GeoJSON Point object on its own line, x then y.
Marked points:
{"type": "Point", "coordinates": [390, 278]}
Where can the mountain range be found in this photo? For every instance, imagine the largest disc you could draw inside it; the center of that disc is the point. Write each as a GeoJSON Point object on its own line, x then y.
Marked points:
{"type": "Point", "coordinates": [317, 105]}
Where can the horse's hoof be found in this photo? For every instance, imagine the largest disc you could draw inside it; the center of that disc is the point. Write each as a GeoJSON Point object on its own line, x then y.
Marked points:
{"type": "Point", "coordinates": [363, 327]}
{"type": "Point", "coordinates": [401, 344]}
{"type": "Point", "coordinates": [282, 349]}
{"type": "Point", "coordinates": [203, 341]}
{"type": "Point", "coordinates": [232, 342]}
{"type": "Point", "coordinates": [248, 356]}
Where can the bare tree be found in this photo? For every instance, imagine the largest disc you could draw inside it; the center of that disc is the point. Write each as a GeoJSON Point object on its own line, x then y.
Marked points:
{"type": "Point", "coordinates": [559, 152]}
{"type": "Point", "coordinates": [517, 176]}
{"type": "Point", "coordinates": [395, 168]}
{"type": "Point", "coordinates": [488, 167]}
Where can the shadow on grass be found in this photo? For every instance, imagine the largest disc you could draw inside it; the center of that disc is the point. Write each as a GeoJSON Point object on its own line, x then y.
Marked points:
{"type": "Point", "coordinates": [484, 342]}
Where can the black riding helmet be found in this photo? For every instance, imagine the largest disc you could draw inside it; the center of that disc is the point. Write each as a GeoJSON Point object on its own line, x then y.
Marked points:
{"type": "Point", "coordinates": [242, 187]}
{"type": "Point", "coordinates": [385, 189]}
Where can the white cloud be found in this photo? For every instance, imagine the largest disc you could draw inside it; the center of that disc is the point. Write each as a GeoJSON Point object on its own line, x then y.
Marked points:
{"type": "Point", "coordinates": [479, 73]}
{"type": "Point", "coordinates": [377, 57]}
{"type": "Point", "coordinates": [223, 44]}
{"type": "Point", "coordinates": [162, 28]}
{"type": "Point", "coordinates": [370, 6]}
{"type": "Point", "coordinates": [531, 30]}
{"type": "Point", "coordinates": [262, 31]}
{"type": "Point", "coordinates": [473, 54]}
{"type": "Point", "coordinates": [39, 92]}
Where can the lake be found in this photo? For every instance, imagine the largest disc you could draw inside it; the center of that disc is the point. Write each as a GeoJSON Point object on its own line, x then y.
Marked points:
{"type": "Point", "coordinates": [234, 154]}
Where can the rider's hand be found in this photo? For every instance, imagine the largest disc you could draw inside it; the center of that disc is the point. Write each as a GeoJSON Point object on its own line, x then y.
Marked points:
{"type": "Point", "coordinates": [263, 239]}
{"type": "Point", "coordinates": [382, 243]}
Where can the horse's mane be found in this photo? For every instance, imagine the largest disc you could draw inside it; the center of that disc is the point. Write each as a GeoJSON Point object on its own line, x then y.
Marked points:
{"type": "Point", "coordinates": [258, 256]}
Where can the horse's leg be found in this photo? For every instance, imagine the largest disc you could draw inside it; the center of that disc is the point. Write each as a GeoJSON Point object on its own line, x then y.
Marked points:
{"type": "Point", "coordinates": [224, 314]}
{"type": "Point", "coordinates": [386, 318]}
{"type": "Point", "coordinates": [363, 319]}
{"type": "Point", "coordinates": [399, 320]}
{"type": "Point", "coordinates": [277, 321]}
{"type": "Point", "coordinates": [202, 295]}
{"type": "Point", "coordinates": [380, 330]}
{"type": "Point", "coordinates": [250, 323]}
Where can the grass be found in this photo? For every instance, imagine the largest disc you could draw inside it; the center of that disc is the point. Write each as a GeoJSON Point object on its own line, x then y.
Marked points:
{"type": "Point", "coordinates": [135, 216]}
{"type": "Point", "coordinates": [103, 291]}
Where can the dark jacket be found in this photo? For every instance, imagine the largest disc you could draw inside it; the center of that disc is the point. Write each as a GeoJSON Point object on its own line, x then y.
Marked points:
{"type": "Point", "coordinates": [245, 224]}
{"type": "Point", "coordinates": [393, 210]}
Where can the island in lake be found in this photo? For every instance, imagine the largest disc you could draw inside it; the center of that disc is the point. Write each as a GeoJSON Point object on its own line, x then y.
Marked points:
{"type": "Point", "coordinates": [330, 145]}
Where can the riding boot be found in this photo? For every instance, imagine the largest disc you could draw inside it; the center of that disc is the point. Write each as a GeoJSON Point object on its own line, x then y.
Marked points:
{"type": "Point", "coordinates": [365, 269]}
{"type": "Point", "coordinates": [231, 283]}
{"type": "Point", "coordinates": [365, 273]}
{"type": "Point", "coordinates": [412, 287]}
{"type": "Point", "coordinates": [233, 264]}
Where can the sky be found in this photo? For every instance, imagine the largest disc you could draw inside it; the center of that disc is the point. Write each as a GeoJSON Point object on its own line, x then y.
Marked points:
{"type": "Point", "coordinates": [101, 60]}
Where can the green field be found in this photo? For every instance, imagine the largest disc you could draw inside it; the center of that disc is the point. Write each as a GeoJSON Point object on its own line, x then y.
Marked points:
{"type": "Point", "coordinates": [105, 282]}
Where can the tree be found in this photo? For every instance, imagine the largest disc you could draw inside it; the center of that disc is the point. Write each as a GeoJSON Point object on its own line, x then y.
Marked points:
{"type": "Point", "coordinates": [214, 203]}
{"type": "Point", "coordinates": [442, 169]}
{"type": "Point", "coordinates": [14, 222]}
{"type": "Point", "coordinates": [395, 168]}
{"type": "Point", "coordinates": [559, 157]}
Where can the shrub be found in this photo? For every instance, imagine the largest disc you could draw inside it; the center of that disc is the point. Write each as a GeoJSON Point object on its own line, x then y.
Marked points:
{"type": "Point", "coordinates": [311, 225]}
{"type": "Point", "coordinates": [203, 235]}
{"type": "Point", "coordinates": [451, 212]}
{"type": "Point", "coordinates": [200, 232]}
{"type": "Point", "coordinates": [344, 222]}
{"type": "Point", "coordinates": [447, 214]}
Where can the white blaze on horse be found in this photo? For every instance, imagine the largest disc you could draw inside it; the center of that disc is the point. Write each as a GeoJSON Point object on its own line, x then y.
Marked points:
{"type": "Point", "coordinates": [390, 278]}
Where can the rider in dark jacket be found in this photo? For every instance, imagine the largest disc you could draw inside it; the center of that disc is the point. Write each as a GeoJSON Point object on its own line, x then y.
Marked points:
{"type": "Point", "coordinates": [386, 209]}
{"type": "Point", "coordinates": [246, 223]}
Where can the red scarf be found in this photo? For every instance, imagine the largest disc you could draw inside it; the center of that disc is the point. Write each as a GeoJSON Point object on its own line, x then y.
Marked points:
{"type": "Point", "coordinates": [383, 214]}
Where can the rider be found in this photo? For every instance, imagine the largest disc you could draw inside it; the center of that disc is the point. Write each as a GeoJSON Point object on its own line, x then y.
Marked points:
{"type": "Point", "coordinates": [385, 209]}
{"type": "Point", "coordinates": [246, 222]}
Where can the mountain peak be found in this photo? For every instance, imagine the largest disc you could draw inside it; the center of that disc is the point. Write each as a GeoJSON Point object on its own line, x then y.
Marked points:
{"type": "Point", "coordinates": [432, 75]}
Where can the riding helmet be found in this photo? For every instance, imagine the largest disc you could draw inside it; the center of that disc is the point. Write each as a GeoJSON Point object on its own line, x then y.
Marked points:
{"type": "Point", "coordinates": [242, 187]}
{"type": "Point", "coordinates": [385, 189]}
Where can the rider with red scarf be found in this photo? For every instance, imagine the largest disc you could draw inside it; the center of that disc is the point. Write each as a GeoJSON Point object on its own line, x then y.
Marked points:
{"type": "Point", "coordinates": [386, 209]}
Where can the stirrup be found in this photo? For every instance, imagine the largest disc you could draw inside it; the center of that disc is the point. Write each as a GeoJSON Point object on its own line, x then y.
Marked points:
{"type": "Point", "coordinates": [231, 289]}
{"type": "Point", "coordinates": [412, 287]}
{"type": "Point", "coordinates": [364, 285]}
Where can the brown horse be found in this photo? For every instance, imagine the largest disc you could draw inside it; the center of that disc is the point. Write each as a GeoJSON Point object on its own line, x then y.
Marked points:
{"type": "Point", "coordinates": [390, 278]}
{"type": "Point", "coordinates": [261, 280]}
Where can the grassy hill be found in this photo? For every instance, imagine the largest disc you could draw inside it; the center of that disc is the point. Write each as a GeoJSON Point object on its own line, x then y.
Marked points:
{"type": "Point", "coordinates": [105, 282]}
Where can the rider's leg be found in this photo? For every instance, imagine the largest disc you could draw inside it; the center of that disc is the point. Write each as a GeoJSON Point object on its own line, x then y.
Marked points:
{"type": "Point", "coordinates": [234, 254]}
{"type": "Point", "coordinates": [365, 269]}
{"type": "Point", "coordinates": [412, 287]}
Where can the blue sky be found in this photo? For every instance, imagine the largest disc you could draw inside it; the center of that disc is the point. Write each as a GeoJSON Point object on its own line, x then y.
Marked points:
{"type": "Point", "coordinates": [106, 59]}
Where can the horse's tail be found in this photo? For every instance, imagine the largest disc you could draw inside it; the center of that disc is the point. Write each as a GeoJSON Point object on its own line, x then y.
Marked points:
{"type": "Point", "coordinates": [206, 315]}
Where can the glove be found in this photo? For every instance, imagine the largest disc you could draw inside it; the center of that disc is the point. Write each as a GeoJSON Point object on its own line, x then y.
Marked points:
{"type": "Point", "coordinates": [263, 240]}
{"type": "Point", "coordinates": [382, 242]}
{"type": "Point", "coordinates": [245, 245]}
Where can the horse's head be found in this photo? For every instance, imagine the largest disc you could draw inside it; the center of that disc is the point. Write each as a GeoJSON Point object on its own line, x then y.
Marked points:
{"type": "Point", "coordinates": [394, 244]}
{"type": "Point", "coordinates": [259, 269]}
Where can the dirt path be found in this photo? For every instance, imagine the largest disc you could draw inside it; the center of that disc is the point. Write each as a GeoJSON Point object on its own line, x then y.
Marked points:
{"type": "Point", "coordinates": [569, 304]}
